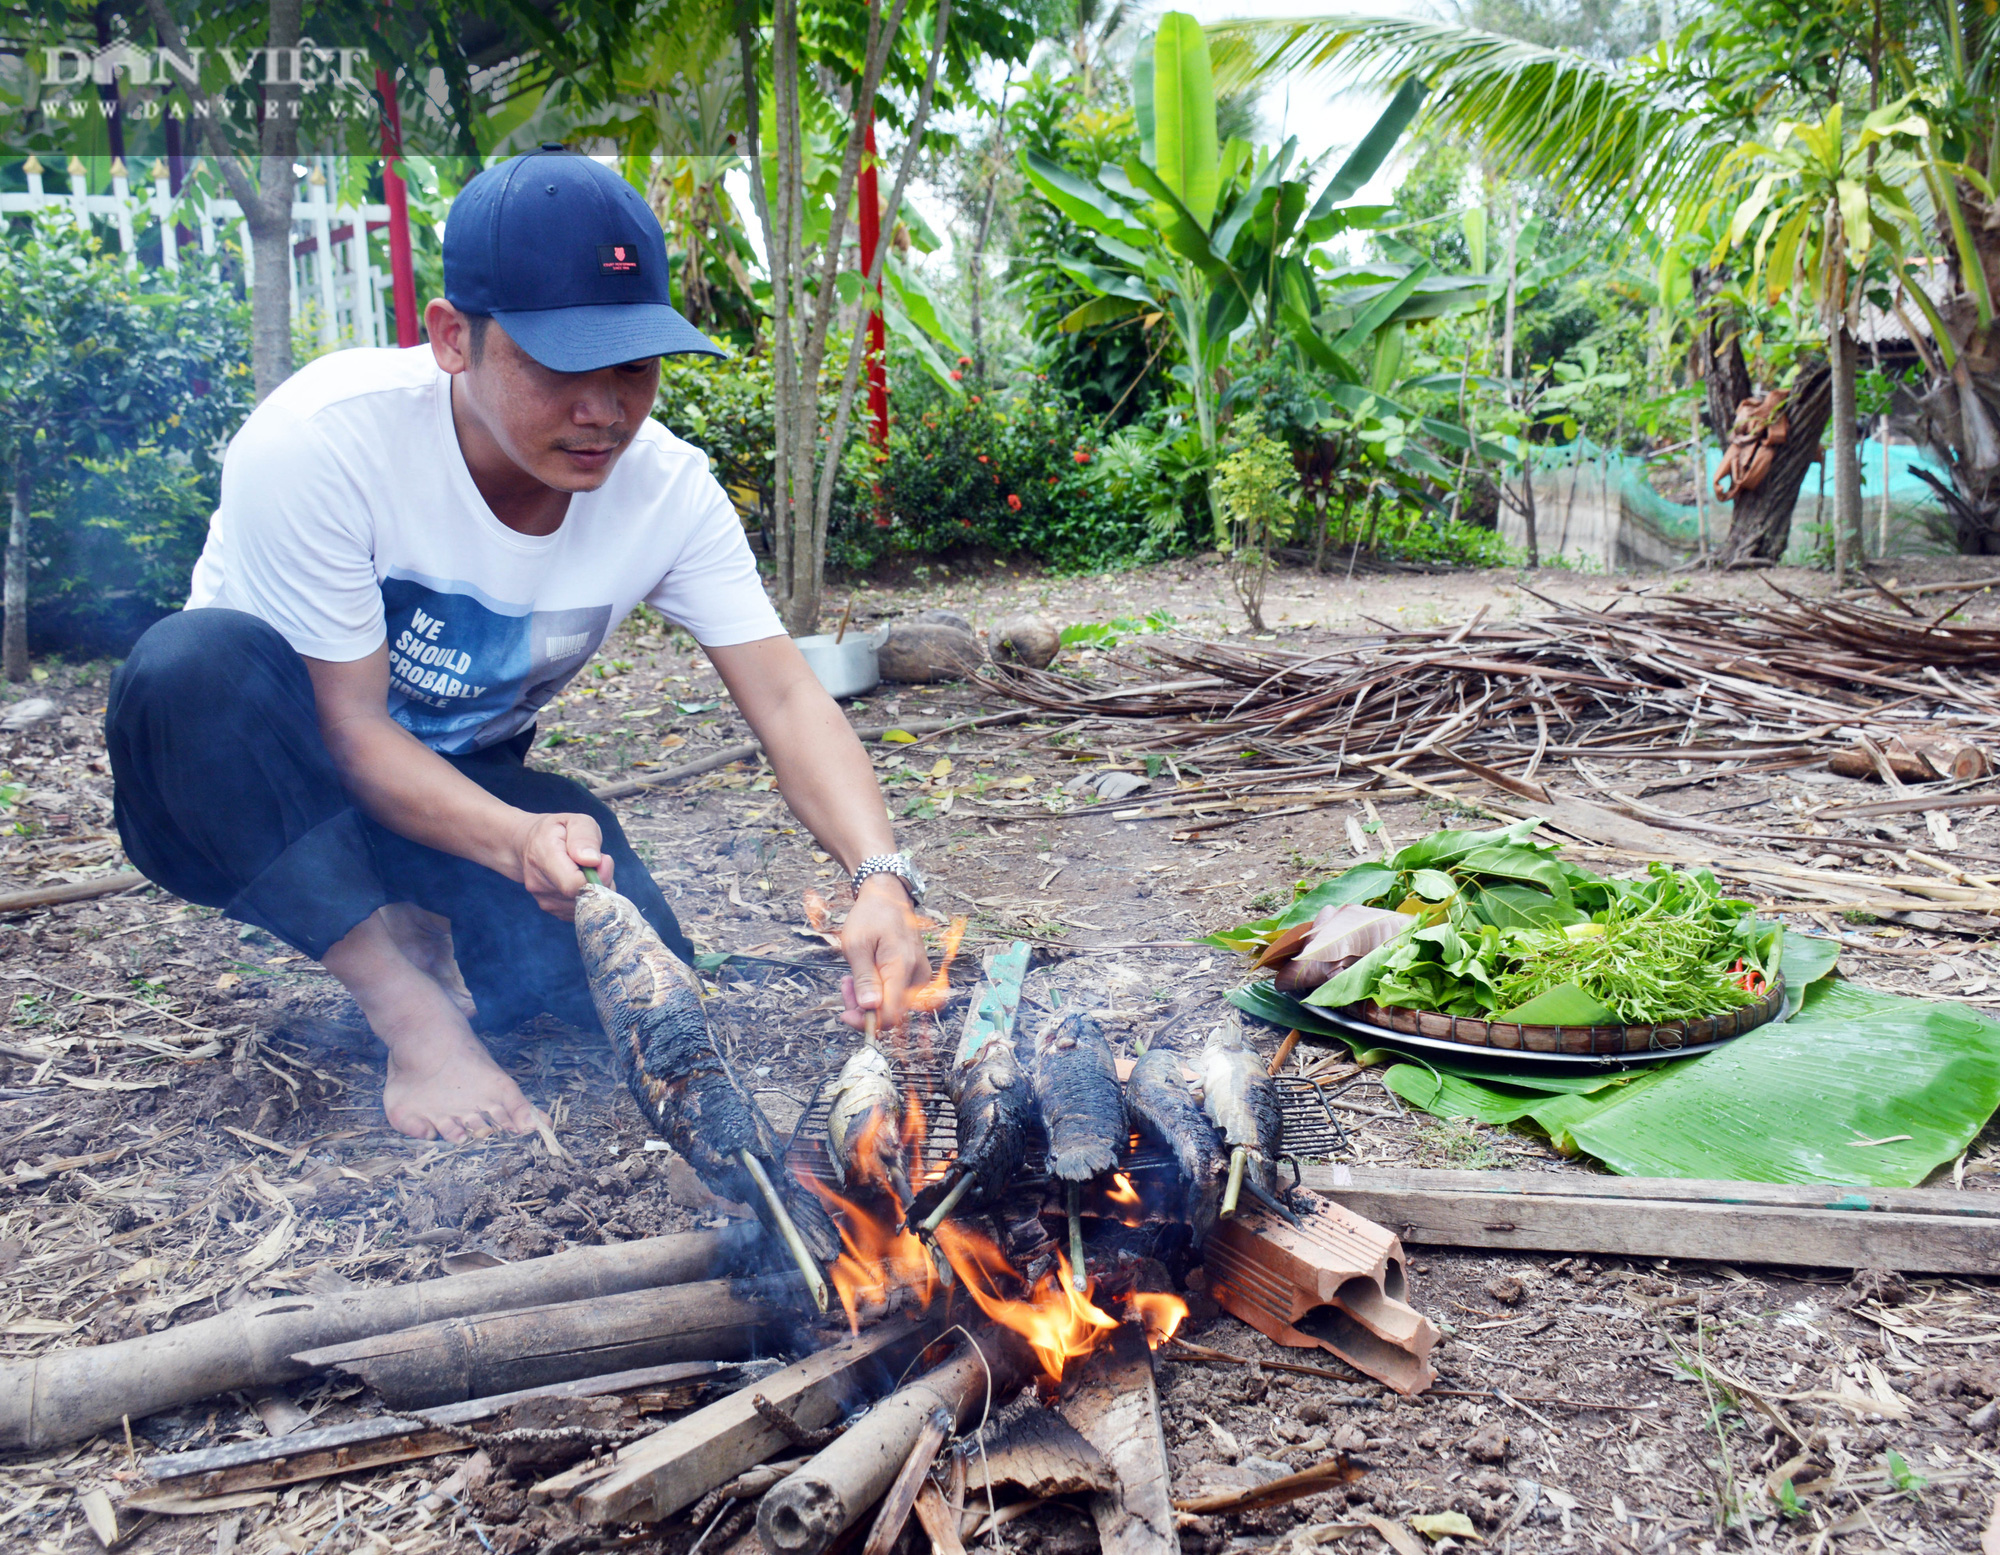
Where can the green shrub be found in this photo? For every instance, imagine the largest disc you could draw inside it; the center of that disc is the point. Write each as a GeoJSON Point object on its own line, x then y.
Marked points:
{"type": "Point", "coordinates": [1257, 490]}
{"type": "Point", "coordinates": [724, 408]}
{"type": "Point", "coordinates": [119, 391]}
{"type": "Point", "coordinates": [1006, 470]}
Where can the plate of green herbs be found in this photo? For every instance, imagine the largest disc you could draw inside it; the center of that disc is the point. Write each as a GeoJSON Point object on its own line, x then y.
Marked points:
{"type": "Point", "coordinates": [1504, 929]}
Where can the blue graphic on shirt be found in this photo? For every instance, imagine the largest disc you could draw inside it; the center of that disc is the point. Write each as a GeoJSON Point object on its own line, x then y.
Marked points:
{"type": "Point", "coordinates": [467, 671]}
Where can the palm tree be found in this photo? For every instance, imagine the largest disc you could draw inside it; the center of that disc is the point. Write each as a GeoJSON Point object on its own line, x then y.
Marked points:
{"type": "Point", "coordinates": [1650, 137]}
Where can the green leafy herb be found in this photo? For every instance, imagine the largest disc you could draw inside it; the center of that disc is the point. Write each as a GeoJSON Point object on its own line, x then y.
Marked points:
{"type": "Point", "coordinates": [1511, 931]}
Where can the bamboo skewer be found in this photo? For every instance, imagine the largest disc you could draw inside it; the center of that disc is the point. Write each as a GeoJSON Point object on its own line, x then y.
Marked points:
{"type": "Point", "coordinates": [1234, 1189]}
{"type": "Point", "coordinates": [815, 1277]}
{"type": "Point", "coordinates": [1079, 1276]}
{"type": "Point", "coordinates": [946, 1205]}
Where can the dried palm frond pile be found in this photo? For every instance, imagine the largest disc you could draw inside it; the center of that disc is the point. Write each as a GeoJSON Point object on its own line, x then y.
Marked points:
{"type": "Point", "coordinates": [1746, 687]}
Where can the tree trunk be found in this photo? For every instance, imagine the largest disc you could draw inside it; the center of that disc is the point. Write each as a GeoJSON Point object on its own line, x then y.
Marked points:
{"type": "Point", "coordinates": [1528, 504]}
{"type": "Point", "coordinates": [1761, 526]}
{"type": "Point", "coordinates": [978, 274]}
{"type": "Point", "coordinates": [805, 301]}
{"type": "Point", "coordinates": [266, 201]}
{"type": "Point", "coordinates": [1847, 549]}
{"type": "Point", "coordinates": [270, 223]}
{"type": "Point", "coordinates": [14, 639]}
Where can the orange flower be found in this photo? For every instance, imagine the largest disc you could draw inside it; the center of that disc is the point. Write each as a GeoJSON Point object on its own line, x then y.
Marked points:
{"type": "Point", "coordinates": [1013, 502]}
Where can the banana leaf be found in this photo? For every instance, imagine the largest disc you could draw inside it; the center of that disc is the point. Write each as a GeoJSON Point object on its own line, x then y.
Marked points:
{"type": "Point", "coordinates": [1858, 1087]}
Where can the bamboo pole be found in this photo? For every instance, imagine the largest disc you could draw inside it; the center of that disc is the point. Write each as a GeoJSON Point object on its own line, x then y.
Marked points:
{"type": "Point", "coordinates": [808, 1511]}
{"type": "Point", "coordinates": [462, 1358]}
{"type": "Point", "coordinates": [67, 1395]}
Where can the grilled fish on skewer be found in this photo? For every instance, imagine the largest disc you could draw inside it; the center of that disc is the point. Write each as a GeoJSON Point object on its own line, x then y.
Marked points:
{"type": "Point", "coordinates": [995, 1115]}
{"type": "Point", "coordinates": [1241, 1099]}
{"type": "Point", "coordinates": [1161, 1103]}
{"type": "Point", "coordinates": [864, 1127]}
{"type": "Point", "coordinates": [1083, 1108]}
{"type": "Point", "coordinates": [1076, 1084]}
{"type": "Point", "coordinates": [650, 1005]}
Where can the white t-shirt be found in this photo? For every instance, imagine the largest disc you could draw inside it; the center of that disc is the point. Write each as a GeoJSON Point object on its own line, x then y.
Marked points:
{"type": "Point", "coordinates": [348, 518]}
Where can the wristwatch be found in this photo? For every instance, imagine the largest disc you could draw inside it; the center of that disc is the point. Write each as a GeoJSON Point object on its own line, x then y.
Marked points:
{"type": "Point", "coordinates": [897, 864]}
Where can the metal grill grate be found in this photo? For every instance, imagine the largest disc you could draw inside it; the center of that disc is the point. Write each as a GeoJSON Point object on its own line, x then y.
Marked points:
{"type": "Point", "coordinates": [1310, 1131]}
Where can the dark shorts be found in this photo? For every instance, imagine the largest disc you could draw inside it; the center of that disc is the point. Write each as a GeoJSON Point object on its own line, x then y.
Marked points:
{"type": "Point", "coordinates": [226, 796]}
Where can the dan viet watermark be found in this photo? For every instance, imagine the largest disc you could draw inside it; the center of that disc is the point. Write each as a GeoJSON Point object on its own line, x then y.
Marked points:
{"type": "Point", "coordinates": [306, 66]}
{"type": "Point", "coordinates": [340, 80]}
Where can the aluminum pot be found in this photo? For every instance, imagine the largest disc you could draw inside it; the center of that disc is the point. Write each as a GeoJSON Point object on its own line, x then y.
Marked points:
{"type": "Point", "coordinates": [846, 668]}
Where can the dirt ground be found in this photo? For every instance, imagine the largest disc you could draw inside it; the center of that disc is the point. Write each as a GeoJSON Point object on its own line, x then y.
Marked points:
{"type": "Point", "coordinates": [190, 1117]}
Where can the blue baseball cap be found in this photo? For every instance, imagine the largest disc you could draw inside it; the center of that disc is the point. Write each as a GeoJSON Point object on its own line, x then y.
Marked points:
{"type": "Point", "coordinates": [569, 258]}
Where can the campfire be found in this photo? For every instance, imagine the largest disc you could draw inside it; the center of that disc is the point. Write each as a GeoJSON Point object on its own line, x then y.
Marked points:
{"type": "Point", "coordinates": [981, 1246]}
{"type": "Point", "coordinates": [886, 1267]}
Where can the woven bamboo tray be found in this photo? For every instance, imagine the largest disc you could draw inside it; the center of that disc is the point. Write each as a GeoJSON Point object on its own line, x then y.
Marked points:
{"type": "Point", "coordinates": [1512, 1036]}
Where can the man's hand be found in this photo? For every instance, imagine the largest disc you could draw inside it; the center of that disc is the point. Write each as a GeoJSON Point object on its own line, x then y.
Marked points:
{"type": "Point", "coordinates": [554, 852]}
{"type": "Point", "coordinates": [884, 946]}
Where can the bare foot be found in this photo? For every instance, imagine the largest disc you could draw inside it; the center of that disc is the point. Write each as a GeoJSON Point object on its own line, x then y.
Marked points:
{"type": "Point", "coordinates": [442, 1082]}
{"type": "Point", "coordinates": [424, 938]}
{"type": "Point", "coordinates": [452, 1089]}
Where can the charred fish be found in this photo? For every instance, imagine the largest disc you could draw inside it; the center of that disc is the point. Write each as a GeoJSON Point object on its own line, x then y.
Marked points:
{"type": "Point", "coordinates": [1162, 1104]}
{"type": "Point", "coordinates": [1076, 1085]}
{"type": "Point", "coordinates": [995, 1114]}
{"type": "Point", "coordinates": [1241, 1100]}
{"type": "Point", "coordinates": [864, 1126]}
{"type": "Point", "coordinates": [650, 1004]}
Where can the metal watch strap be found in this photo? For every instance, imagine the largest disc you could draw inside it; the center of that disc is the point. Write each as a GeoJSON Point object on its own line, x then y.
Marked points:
{"type": "Point", "coordinates": [896, 864]}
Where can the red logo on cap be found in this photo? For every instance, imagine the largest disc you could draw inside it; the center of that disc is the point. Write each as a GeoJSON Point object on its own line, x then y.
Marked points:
{"type": "Point", "coordinates": [616, 259]}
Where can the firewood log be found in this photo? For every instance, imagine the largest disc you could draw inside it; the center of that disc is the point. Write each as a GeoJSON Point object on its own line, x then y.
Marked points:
{"type": "Point", "coordinates": [1914, 759]}
{"type": "Point", "coordinates": [462, 1358]}
{"type": "Point", "coordinates": [806, 1512]}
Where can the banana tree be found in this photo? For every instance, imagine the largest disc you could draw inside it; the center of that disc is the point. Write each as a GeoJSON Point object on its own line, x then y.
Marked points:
{"type": "Point", "coordinates": [1822, 204]}
{"type": "Point", "coordinates": [1646, 139]}
{"type": "Point", "coordinates": [1218, 241]}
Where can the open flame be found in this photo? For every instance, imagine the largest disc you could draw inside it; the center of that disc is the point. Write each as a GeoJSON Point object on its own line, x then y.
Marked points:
{"type": "Point", "coordinates": [1059, 1323]}
{"type": "Point", "coordinates": [879, 1260]}
{"type": "Point", "coordinates": [882, 1266]}
{"type": "Point", "coordinates": [933, 994]}
{"type": "Point", "coordinates": [1161, 1312]}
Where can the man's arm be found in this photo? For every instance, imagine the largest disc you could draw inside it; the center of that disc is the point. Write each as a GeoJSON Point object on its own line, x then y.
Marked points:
{"type": "Point", "coordinates": [830, 785]}
{"type": "Point", "coordinates": [409, 788]}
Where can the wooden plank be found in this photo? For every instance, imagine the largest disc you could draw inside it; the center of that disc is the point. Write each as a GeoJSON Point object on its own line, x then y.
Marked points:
{"type": "Point", "coordinates": [1663, 1218]}
{"type": "Point", "coordinates": [377, 1428]}
{"type": "Point", "coordinates": [1695, 1190]}
{"type": "Point", "coordinates": [341, 1449]}
{"type": "Point", "coordinates": [657, 1476]}
{"type": "Point", "coordinates": [1116, 1408]}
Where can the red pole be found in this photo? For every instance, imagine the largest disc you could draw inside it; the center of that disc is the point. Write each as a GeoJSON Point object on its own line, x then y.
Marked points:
{"type": "Point", "coordinates": [401, 272]}
{"type": "Point", "coordinates": [871, 235]}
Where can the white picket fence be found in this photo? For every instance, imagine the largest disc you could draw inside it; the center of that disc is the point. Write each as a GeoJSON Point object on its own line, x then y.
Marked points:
{"type": "Point", "coordinates": [333, 261]}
